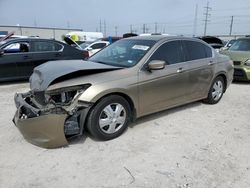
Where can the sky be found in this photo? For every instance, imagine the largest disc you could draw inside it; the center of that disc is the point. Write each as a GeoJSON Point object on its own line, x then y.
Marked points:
{"type": "Point", "coordinates": [120, 16]}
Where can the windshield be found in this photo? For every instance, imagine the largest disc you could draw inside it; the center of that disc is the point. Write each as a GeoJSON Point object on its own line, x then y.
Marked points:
{"type": "Point", "coordinates": [123, 53]}
{"type": "Point", "coordinates": [241, 45]}
{"type": "Point", "coordinates": [2, 42]}
{"type": "Point", "coordinates": [230, 43]}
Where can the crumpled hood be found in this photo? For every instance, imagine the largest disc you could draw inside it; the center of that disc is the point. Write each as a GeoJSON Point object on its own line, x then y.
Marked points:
{"type": "Point", "coordinates": [51, 71]}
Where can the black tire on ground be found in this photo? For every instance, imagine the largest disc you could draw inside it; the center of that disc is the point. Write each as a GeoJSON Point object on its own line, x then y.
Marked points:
{"type": "Point", "coordinates": [214, 97]}
{"type": "Point", "coordinates": [105, 111]}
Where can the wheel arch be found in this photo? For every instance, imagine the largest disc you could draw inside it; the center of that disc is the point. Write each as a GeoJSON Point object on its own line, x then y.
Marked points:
{"type": "Point", "coordinates": [125, 96]}
{"type": "Point", "coordinates": [223, 75]}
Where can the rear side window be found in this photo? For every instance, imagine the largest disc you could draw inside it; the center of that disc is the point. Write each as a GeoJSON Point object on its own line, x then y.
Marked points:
{"type": "Point", "coordinates": [98, 45]}
{"type": "Point", "coordinates": [46, 46]}
{"type": "Point", "coordinates": [196, 50]}
{"type": "Point", "coordinates": [170, 52]}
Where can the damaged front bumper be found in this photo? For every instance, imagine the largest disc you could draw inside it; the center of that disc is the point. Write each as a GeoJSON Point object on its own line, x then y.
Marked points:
{"type": "Point", "coordinates": [48, 127]}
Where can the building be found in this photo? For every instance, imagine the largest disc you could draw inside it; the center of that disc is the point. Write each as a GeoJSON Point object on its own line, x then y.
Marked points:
{"type": "Point", "coordinates": [42, 32]}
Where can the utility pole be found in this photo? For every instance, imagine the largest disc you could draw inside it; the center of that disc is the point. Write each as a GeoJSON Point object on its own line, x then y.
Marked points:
{"type": "Point", "coordinates": [207, 15]}
{"type": "Point", "coordinates": [100, 25]}
{"type": "Point", "coordinates": [116, 30]}
{"type": "Point", "coordinates": [68, 25]}
{"type": "Point", "coordinates": [195, 20]}
{"type": "Point", "coordinates": [144, 28]}
{"type": "Point", "coordinates": [231, 25]}
{"type": "Point", "coordinates": [131, 28]}
{"type": "Point", "coordinates": [35, 23]}
{"type": "Point", "coordinates": [104, 25]}
{"type": "Point", "coordinates": [156, 26]}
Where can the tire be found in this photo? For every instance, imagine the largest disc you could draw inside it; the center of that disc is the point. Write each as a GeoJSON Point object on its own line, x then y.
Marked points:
{"type": "Point", "coordinates": [216, 91]}
{"type": "Point", "coordinates": [104, 123]}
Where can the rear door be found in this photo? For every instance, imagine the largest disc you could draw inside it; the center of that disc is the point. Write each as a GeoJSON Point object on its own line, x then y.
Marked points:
{"type": "Point", "coordinates": [201, 67]}
{"type": "Point", "coordinates": [160, 89]}
{"type": "Point", "coordinates": [45, 50]}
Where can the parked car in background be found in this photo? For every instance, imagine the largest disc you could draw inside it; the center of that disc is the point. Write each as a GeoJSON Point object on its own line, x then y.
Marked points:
{"type": "Point", "coordinates": [92, 47]}
{"type": "Point", "coordinates": [228, 44]}
{"type": "Point", "coordinates": [239, 52]}
{"type": "Point", "coordinates": [19, 56]}
{"type": "Point", "coordinates": [128, 79]}
{"type": "Point", "coordinates": [215, 42]}
{"type": "Point", "coordinates": [89, 48]}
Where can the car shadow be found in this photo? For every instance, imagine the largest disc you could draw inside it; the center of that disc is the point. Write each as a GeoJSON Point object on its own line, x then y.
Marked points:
{"type": "Point", "coordinates": [160, 114]}
{"type": "Point", "coordinates": [139, 121]}
{"type": "Point", "coordinates": [241, 82]}
{"type": "Point", "coordinates": [14, 82]}
{"type": "Point", "coordinates": [78, 139]}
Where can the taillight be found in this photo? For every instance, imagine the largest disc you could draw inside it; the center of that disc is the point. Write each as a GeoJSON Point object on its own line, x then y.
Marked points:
{"type": "Point", "coordinates": [85, 54]}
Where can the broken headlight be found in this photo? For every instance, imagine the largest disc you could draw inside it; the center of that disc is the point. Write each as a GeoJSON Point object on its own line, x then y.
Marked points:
{"type": "Point", "coordinates": [65, 95]}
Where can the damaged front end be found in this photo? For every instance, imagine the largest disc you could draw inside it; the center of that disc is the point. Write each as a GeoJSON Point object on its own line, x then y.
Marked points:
{"type": "Point", "coordinates": [48, 118]}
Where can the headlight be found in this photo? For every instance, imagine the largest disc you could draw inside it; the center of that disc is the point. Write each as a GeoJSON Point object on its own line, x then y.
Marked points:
{"type": "Point", "coordinates": [65, 95]}
{"type": "Point", "coordinates": [247, 62]}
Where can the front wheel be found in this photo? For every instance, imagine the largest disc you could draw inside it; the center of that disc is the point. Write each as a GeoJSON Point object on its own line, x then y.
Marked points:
{"type": "Point", "coordinates": [109, 118]}
{"type": "Point", "coordinates": [216, 91]}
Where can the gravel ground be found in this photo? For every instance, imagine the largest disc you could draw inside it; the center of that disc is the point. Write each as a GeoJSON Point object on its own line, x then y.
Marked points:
{"type": "Point", "coordinates": [196, 145]}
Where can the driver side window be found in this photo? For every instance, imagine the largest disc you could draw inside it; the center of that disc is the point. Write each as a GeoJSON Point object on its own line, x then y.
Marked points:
{"type": "Point", "coordinates": [18, 47]}
{"type": "Point", "coordinates": [170, 52]}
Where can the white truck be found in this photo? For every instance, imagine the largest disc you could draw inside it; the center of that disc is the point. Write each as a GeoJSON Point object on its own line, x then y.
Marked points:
{"type": "Point", "coordinates": [84, 36]}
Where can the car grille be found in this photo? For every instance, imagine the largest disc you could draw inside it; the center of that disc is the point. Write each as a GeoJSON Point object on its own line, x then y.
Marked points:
{"type": "Point", "coordinates": [238, 72]}
{"type": "Point", "coordinates": [237, 62]}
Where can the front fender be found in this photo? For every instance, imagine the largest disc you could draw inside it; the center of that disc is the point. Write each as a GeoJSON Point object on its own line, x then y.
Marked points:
{"type": "Point", "coordinates": [94, 93]}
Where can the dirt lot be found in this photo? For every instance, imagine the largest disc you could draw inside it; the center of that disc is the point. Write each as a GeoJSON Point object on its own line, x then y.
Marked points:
{"type": "Point", "coordinates": [196, 145]}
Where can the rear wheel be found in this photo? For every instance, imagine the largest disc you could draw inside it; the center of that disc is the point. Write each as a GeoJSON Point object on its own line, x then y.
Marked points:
{"type": "Point", "coordinates": [109, 117]}
{"type": "Point", "coordinates": [216, 91]}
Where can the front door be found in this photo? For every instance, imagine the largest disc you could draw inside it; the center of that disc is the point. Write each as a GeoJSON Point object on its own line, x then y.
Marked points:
{"type": "Point", "coordinates": [161, 89]}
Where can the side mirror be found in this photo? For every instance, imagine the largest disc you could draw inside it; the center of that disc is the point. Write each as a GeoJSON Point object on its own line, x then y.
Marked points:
{"type": "Point", "coordinates": [89, 48]}
{"type": "Point", "coordinates": [156, 65]}
{"type": "Point", "coordinates": [1, 52]}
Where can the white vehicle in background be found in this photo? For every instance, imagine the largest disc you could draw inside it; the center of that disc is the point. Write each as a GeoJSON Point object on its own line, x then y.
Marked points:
{"type": "Point", "coordinates": [89, 48]}
{"type": "Point", "coordinates": [84, 36]}
{"type": "Point", "coordinates": [93, 47]}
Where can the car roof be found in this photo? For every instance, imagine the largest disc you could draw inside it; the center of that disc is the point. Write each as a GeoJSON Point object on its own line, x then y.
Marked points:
{"type": "Point", "coordinates": [30, 39]}
{"type": "Point", "coordinates": [157, 38]}
{"type": "Point", "coordinates": [244, 38]}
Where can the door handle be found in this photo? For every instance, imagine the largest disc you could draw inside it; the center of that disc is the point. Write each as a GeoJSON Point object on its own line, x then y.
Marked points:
{"type": "Point", "coordinates": [210, 63]}
{"type": "Point", "coordinates": [57, 54]}
{"type": "Point", "coordinates": [26, 57]}
{"type": "Point", "coordinates": [180, 70]}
